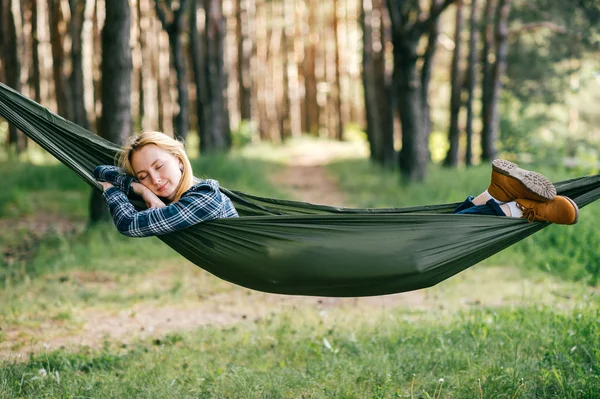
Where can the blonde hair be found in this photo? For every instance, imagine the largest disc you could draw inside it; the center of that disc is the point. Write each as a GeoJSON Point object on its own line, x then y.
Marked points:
{"type": "Point", "coordinates": [162, 141]}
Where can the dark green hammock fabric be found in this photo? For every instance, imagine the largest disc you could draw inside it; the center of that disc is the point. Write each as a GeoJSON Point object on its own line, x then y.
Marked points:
{"type": "Point", "coordinates": [292, 247]}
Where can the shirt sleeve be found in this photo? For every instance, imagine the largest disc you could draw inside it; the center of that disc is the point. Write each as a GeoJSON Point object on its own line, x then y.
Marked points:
{"type": "Point", "coordinates": [115, 176]}
{"type": "Point", "coordinates": [203, 204]}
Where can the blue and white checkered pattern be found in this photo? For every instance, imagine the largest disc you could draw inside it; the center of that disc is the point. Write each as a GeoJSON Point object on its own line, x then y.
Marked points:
{"type": "Point", "coordinates": [202, 202]}
{"type": "Point", "coordinates": [115, 176]}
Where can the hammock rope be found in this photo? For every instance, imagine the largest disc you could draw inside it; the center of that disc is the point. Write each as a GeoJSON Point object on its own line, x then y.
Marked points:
{"type": "Point", "coordinates": [290, 247]}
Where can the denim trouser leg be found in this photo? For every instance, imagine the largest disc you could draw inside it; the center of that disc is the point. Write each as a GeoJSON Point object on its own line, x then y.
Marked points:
{"type": "Point", "coordinates": [469, 208]}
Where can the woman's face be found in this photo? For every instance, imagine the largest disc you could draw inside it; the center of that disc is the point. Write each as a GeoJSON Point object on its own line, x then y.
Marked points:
{"type": "Point", "coordinates": [157, 169]}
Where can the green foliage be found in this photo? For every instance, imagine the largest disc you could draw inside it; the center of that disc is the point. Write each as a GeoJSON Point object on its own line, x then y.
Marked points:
{"type": "Point", "coordinates": [541, 61]}
{"type": "Point", "coordinates": [489, 352]}
{"type": "Point", "coordinates": [244, 134]}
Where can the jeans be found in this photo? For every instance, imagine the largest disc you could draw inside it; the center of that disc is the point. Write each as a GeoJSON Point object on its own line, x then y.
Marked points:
{"type": "Point", "coordinates": [469, 208]}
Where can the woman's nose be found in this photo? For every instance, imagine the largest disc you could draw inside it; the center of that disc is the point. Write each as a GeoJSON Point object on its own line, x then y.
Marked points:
{"type": "Point", "coordinates": [155, 179]}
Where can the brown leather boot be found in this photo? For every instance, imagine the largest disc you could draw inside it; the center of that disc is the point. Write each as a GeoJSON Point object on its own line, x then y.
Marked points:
{"type": "Point", "coordinates": [561, 210]}
{"type": "Point", "coordinates": [510, 182]}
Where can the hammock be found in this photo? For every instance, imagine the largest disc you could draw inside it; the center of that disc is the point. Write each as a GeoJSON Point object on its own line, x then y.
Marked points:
{"type": "Point", "coordinates": [290, 247]}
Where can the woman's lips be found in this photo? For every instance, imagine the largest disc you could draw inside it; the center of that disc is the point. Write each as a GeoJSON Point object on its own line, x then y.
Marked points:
{"type": "Point", "coordinates": [161, 188]}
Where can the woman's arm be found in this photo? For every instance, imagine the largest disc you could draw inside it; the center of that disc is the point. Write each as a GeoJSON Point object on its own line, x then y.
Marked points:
{"type": "Point", "coordinates": [203, 204]}
{"type": "Point", "coordinates": [116, 176]}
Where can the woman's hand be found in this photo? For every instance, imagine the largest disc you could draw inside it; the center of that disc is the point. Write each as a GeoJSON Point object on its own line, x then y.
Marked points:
{"type": "Point", "coordinates": [105, 185]}
{"type": "Point", "coordinates": [151, 200]}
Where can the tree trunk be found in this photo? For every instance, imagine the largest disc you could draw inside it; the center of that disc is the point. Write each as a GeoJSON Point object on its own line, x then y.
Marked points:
{"type": "Point", "coordinates": [217, 134]}
{"type": "Point", "coordinates": [456, 82]}
{"type": "Point", "coordinates": [115, 123]}
{"type": "Point", "coordinates": [197, 51]}
{"type": "Point", "coordinates": [61, 89]}
{"type": "Point", "coordinates": [337, 92]}
{"type": "Point", "coordinates": [407, 79]}
{"type": "Point", "coordinates": [310, 78]}
{"type": "Point", "coordinates": [471, 80]}
{"type": "Point", "coordinates": [181, 121]}
{"type": "Point", "coordinates": [487, 142]}
{"type": "Point", "coordinates": [286, 126]}
{"type": "Point", "coordinates": [502, 12]}
{"type": "Point", "coordinates": [10, 61]}
{"type": "Point", "coordinates": [35, 54]}
{"type": "Point", "coordinates": [376, 85]}
{"type": "Point", "coordinates": [245, 49]}
{"type": "Point", "coordinates": [428, 59]}
{"type": "Point", "coordinates": [77, 8]}
{"type": "Point", "coordinates": [414, 155]}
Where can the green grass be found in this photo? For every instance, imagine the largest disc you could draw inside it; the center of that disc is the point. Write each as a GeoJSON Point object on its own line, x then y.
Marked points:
{"type": "Point", "coordinates": [566, 251]}
{"type": "Point", "coordinates": [531, 352]}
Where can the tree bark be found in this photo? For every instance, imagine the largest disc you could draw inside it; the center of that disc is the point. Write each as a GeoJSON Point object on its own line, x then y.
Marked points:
{"type": "Point", "coordinates": [61, 89]}
{"type": "Point", "coordinates": [35, 53]}
{"type": "Point", "coordinates": [414, 155]}
{"type": "Point", "coordinates": [376, 85]}
{"type": "Point", "coordinates": [310, 78]}
{"type": "Point", "coordinates": [337, 93]}
{"type": "Point", "coordinates": [286, 123]}
{"type": "Point", "coordinates": [115, 122]}
{"type": "Point", "coordinates": [181, 121]}
{"type": "Point", "coordinates": [471, 80]}
{"type": "Point", "coordinates": [210, 77]}
{"type": "Point", "coordinates": [407, 78]}
{"type": "Point", "coordinates": [197, 51]}
{"type": "Point", "coordinates": [245, 49]}
{"type": "Point", "coordinates": [77, 8]}
{"type": "Point", "coordinates": [10, 61]}
{"type": "Point", "coordinates": [428, 60]}
{"type": "Point", "coordinates": [456, 82]}
{"type": "Point", "coordinates": [487, 142]}
{"type": "Point", "coordinates": [502, 13]}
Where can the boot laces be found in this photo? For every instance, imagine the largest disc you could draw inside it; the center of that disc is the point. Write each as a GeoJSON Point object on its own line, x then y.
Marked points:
{"type": "Point", "coordinates": [529, 213]}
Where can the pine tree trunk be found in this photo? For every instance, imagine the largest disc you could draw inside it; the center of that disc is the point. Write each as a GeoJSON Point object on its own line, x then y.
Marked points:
{"type": "Point", "coordinates": [115, 123]}
{"type": "Point", "coordinates": [61, 89]}
{"type": "Point", "coordinates": [77, 8]}
{"type": "Point", "coordinates": [310, 78]}
{"type": "Point", "coordinates": [35, 54]}
{"type": "Point", "coordinates": [245, 49]}
{"type": "Point", "coordinates": [197, 51]}
{"type": "Point", "coordinates": [218, 130]}
{"type": "Point", "coordinates": [428, 60]}
{"type": "Point", "coordinates": [407, 79]}
{"type": "Point", "coordinates": [502, 13]}
{"type": "Point", "coordinates": [471, 80]}
{"type": "Point", "coordinates": [286, 125]}
{"type": "Point", "coordinates": [337, 93]}
{"type": "Point", "coordinates": [181, 124]}
{"type": "Point", "coordinates": [414, 155]}
{"type": "Point", "coordinates": [10, 61]}
{"type": "Point", "coordinates": [455, 97]}
{"type": "Point", "coordinates": [366, 18]}
{"type": "Point", "coordinates": [376, 85]}
{"type": "Point", "coordinates": [487, 142]}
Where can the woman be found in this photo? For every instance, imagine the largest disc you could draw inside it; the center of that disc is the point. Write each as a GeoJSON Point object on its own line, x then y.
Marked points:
{"type": "Point", "coordinates": [156, 167]}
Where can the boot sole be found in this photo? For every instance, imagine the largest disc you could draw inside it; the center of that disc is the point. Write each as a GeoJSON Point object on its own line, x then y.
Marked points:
{"type": "Point", "coordinates": [535, 182]}
{"type": "Point", "coordinates": [576, 209]}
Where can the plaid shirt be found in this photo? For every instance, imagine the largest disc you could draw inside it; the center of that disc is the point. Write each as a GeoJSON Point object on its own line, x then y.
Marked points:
{"type": "Point", "coordinates": [202, 202]}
